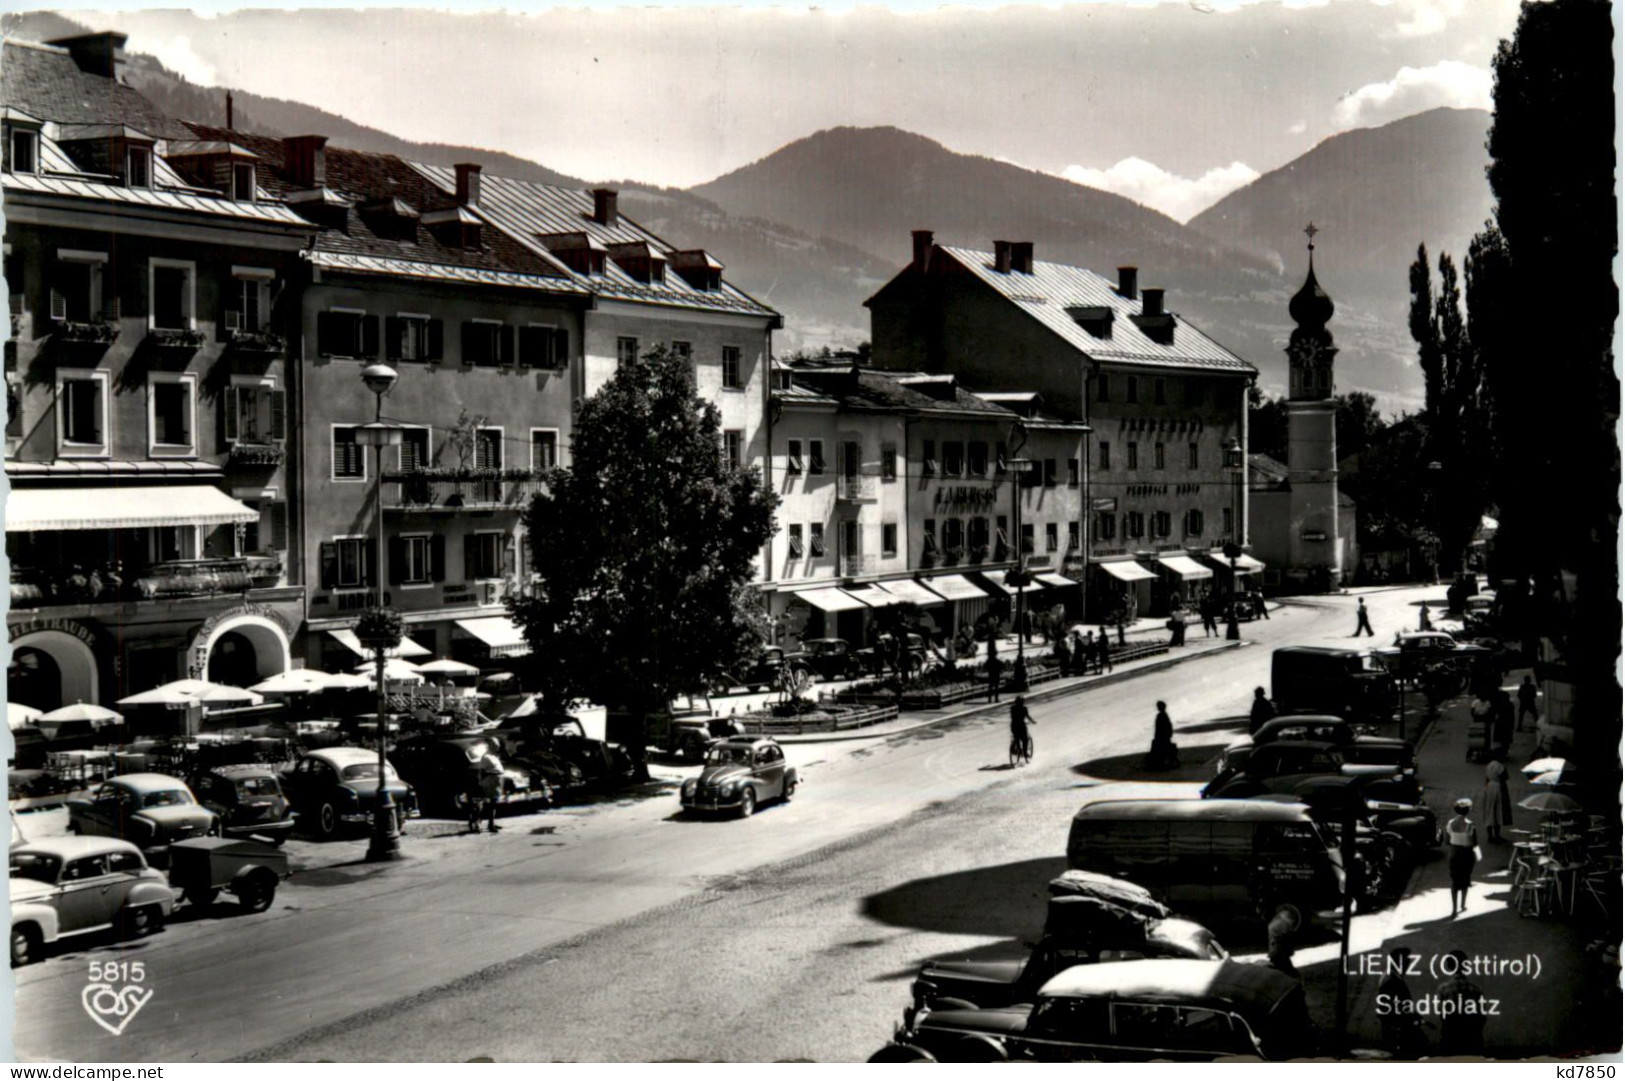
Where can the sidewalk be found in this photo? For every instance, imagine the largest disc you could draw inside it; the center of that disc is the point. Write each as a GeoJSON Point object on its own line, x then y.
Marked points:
{"type": "Point", "coordinates": [1569, 1005]}
{"type": "Point", "coordinates": [911, 720]}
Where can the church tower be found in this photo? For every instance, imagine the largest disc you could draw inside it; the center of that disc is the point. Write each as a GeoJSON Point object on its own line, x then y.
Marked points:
{"type": "Point", "coordinates": [1312, 432]}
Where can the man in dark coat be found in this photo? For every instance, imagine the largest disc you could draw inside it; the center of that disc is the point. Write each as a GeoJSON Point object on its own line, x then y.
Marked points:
{"type": "Point", "coordinates": [1263, 710]}
{"type": "Point", "coordinates": [1164, 755]}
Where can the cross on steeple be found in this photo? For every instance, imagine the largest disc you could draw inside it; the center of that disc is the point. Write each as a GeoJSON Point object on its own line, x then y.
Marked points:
{"type": "Point", "coordinates": [1310, 231]}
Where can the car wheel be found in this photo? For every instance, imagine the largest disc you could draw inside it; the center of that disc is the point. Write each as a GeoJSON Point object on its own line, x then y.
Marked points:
{"type": "Point", "coordinates": [26, 945]}
{"type": "Point", "coordinates": [256, 892]}
{"type": "Point", "coordinates": [141, 920]}
{"type": "Point", "coordinates": [214, 828]}
{"type": "Point", "coordinates": [900, 1053]}
{"type": "Point", "coordinates": [203, 897]}
{"type": "Point", "coordinates": [327, 821]}
{"type": "Point", "coordinates": [789, 789]}
{"type": "Point", "coordinates": [747, 802]}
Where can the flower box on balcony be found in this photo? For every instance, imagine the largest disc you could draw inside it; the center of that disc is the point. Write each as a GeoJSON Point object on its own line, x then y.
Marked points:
{"type": "Point", "coordinates": [86, 333]}
{"type": "Point", "coordinates": [978, 554]}
{"type": "Point", "coordinates": [257, 454]}
{"type": "Point", "coordinates": [178, 339]}
{"type": "Point", "coordinates": [256, 341]}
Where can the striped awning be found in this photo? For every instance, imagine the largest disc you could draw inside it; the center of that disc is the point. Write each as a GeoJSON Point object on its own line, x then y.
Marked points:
{"type": "Point", "coordinates": [1050, 578]}
{"type": "Point", "coordinates": [1126, 570]}
{"type": "Point", "coordinates": [1184, 566]}
{"type": "Point", "coordinates": [910, 591]}
{"type": "Point", "coordinates": [829, 599]}
{"type": "Point", "coordinates": [501, 635]}
{"type": "Point", "coordinates": [32, 510]}
{"type": "Point", "coordinates": [405, 648]}
{"type": "Point", "coordinates": [955, 587]}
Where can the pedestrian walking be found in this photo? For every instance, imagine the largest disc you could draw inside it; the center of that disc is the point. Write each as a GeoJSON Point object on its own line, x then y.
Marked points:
{"type": "Point", "coordinates": [1204, 608]}
{"type": "Point", "coordinates": [1462, 1009]}
{"type": "Point", "coordinates": [1283, 933]}
{"type": "Point", "coordinates": [1496, 804]}
{"type": "Point", "coordinates": [1425, 622]}
{"type": "Point", "coordinates": [490, 790]}
{"type": "Point", "coordinates": [1527, 692]}
{"type": "Point", "coordinates": [1364, 623]}
{"type": "Point", "coordinates": [1103, 653]}
{"type": "Point", "coordinates": [1019, 720]}
{"type": "Point", "coordinates": [1461, 839]}
{"type": "Point", "coordinates": [1402, 1034]}
{"type": "Point", "coordinates": [1263, 710]}
{"type": "Point", "coordinates": [1063, 654]}
{"type": "Point", "coordinates": [995, 669]}
{"type": "Point", "coordinates": [1259, 607]}
{"type": "Point", "coordinates": [1164, 752]}
{"type": "Point", "coordinates": [1083, 648]}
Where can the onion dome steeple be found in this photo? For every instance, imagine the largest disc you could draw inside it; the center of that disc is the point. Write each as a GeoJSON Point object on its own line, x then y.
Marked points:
{"type": "Point", "coordinates": [1310, 350]}
{"type": "Point", "coordinates": [1310, 307]}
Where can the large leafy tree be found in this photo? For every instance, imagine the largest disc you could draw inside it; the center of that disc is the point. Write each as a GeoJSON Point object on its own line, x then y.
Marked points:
{"type": "Point", "coordinates": [643, 548]}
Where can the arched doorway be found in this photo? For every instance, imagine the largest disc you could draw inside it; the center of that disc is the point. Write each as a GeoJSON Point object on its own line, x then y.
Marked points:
{"type": "Point", "coordinates": [51, 669]}
{"type": "Point", "coordinates": [242, 650]}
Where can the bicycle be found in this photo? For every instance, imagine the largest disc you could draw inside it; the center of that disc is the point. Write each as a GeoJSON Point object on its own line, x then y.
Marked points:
{"type": "Point", "coordinates": [1021, 750]}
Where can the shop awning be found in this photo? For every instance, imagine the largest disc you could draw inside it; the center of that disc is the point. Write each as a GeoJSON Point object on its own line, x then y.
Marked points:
{"type": "Point", "coordinates": [500, 634]}
{"type": "Point", "coordinates": [1184, 566]}
{"type": "Point", "coordinates": [405, 648]}
{"type": "Point", "coordinates": [1050, 578]}
{"type": "Point", "coordinates": [829, 599]}
{"type": "Point", "coordinates": [1126, 570]}
{"type": "Point", "coordinates": [31, 510]}
{"type": "Point", "coordinates": [1245, 562]}
{"type": "Point", "coordinates": [910, 591]}
{"type": "Point", "coordinates": [956, 587]}
{"type": "Point", "coordinates": [872, 596]}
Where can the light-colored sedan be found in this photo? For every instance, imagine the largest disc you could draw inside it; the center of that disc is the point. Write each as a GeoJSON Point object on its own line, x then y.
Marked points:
{"type": "Point", "coordinates": [740, 773]}
{"type": "Point", "coordinates": [75, 885]}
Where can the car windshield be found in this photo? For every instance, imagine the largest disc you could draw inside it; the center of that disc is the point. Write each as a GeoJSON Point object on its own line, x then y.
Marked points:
{"type": "Point", "coordinates": [363, 771]}
{"type": "Point", "coordinates": [823, 647]}
{"type": "Point", "coordinates": [169, 797]}
{"type": "Point", "coordinates": [249, 787]}
{"type": "Point", "coordinates": [723, 756]}
{"type": "Point", "coordinates": [39, 866]}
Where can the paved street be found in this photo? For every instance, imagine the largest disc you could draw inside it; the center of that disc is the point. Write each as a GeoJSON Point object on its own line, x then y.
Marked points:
{"type": "Point", "coordinates": [788, 935]}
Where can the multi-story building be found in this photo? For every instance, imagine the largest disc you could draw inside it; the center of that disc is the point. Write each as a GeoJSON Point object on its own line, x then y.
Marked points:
{"type": "Point", "coordinates": [147, 388]}
{"type": "Point", "coordinates": [1166, 405]}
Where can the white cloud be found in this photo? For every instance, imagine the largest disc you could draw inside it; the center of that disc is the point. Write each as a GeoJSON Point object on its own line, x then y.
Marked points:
{"type": "Point", "coordinates": [1179, 197]}
{"type": "Point", "coordinates": [1412, 90]}
{"type": "Point", "coordinates": [176, 54]}
{"type": "Point", "coordinates": [1299, 127]}
{"type": "Point", "coordinates": [1420, 18]}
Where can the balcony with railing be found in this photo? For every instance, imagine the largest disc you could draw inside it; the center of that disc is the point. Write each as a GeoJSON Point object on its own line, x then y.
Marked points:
{"type": "Point", "coordinates": [453, 491]}
{"type": "Point", "coordinates": [857, 487]}
{"type": "Point", "coordinates": [45, 587]}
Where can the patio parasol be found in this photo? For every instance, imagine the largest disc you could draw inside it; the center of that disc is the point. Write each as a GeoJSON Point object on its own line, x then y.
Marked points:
{"type": "Point", "coordinates": [294, 681]}
{"type": "Point", "coordinates": [1549, 802]}
{"type": "Point", "coordinates": [1546, 765]}
{"type": "Point", "coordinates": [395, 671]}
{"type": "Point", "coordinates": [19, 715]}
{"type": "Point", "coordinates": [446, 667]}
{"type": "Point", "coordinates": [98, 716]}
{"type": "Point", "coordinates": [223, 696]}
{"type": "Point", "coordinates": [347, 681]}
{"type": "Point", "coordinates": [159, 696]}
{"type": "Point", "coordinates": [1558, 777]}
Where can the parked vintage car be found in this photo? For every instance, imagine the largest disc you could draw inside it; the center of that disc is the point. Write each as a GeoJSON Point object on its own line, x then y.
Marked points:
{"type": "Point", "coordinates": [71, 886]}
{"type": "Point", "coordinates": [1182, 1011]}
{"type": "Point", "coordinates": [1083, 927]}
{"type": "Point", "coordinates": [1283, 765]}
{"type": "Point", "coordinates": [1357, 747]}
{"type": "Point", "coordinates": [558, 749]}
{"type": "Point", "coordinates": [754, 673]}
{"type": "Point", "coordinates": [248, 801]}
{"type": "Point", "coordinates": [688, 737]}
{"type": "Point", "coordinates": [1351, 683]}
{"type": "Point", "coordinates": [739, 774]}
{"type": "Point", "coordinates": [444, 770]}
{"type": "Point", "coordinates": [151, 810]}
{"type": "Point", "coordinates": [827, 658]}
{"type": "Point", "coordinates": [1433, 661]}
{"type": "Point", "coordinates": [335, 785]}
{"type": "Point", "coordinates": [1414, 824]}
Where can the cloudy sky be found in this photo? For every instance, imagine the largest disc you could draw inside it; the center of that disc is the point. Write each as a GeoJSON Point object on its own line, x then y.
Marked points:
{"type": "Point", "coordinates": [1170, 103]}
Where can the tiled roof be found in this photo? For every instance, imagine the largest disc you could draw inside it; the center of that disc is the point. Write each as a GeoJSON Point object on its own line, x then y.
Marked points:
{"type": "Point", "coordinates": [406, 268]}
{"type": "Point", "coordinates": [1052, 288]}
{"type": "Point", "coordinates": [44, 81]}
{"type": "Point", "coordinates": [1264, 471]}
{"type": "Point", "coordinates": [526, 210]}
{"type": "Point", "coordinates": [873, 391]}
{"type": "Point", "coordinates": [363, 178]}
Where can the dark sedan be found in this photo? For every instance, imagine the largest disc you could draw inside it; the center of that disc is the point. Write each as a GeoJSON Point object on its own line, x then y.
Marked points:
{"type": "Point", "coordinates": [444, 770]}
{"type": "Point", "coordinates": [336, 785]}
{"type": "Point", "coordinates": [249, 801]}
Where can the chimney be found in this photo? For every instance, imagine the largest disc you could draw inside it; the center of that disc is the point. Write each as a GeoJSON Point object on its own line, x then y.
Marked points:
{"type": "Point", "coordinates": [229, 125]}
{"type": "Point", "coordinates": [604, 210]}
{"type": "Point", "coordinates": [1021, 256]}
{"type": "Point", "coordinates": [1128, 282]}
{"type": "Point", "coordinates": [96, 54]}
{"type": "Point", "coordinates": [304, 158]}
{"type": "Point", "coordinates": [468, 184]}
{"type": "Point", "coordinates": [1001, 256]}
{"type": "Point", "coordinates": [1153, 301]}
{"type": "Point", "coordinates": [923, 241]}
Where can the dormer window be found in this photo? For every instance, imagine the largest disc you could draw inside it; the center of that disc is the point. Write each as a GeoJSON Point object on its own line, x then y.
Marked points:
{"type": "Point", "coordinates": [242, 183]}
{"type": "Point", "coordinates": [641, 261]}
{"type": "Point", "coordinates": [138, 167]}
{"type": "Point", "coordinates": [22, 150]}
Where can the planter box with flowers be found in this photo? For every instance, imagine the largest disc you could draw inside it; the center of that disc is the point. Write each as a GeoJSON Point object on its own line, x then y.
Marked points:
{"type": "Point", "coordinates": [255, 341]}
{"type": "Point", "coordinates": [175, 339]}
{"type": "Point", "coordinates": [86, 333]}
{"type": "Point", "coordinates": [257, 454]}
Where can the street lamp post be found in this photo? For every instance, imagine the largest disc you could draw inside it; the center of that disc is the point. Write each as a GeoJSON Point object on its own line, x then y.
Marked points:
{"type": "Point", "coordinates": [386, 842]}
{"type": "Point", "coordinates": [1235, 465]}
{"type": "Point", "coordinates": [1018, 577]}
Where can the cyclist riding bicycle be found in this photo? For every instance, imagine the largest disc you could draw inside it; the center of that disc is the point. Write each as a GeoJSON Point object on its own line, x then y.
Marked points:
{"type": "Point", "coordinates": [1021, 742]}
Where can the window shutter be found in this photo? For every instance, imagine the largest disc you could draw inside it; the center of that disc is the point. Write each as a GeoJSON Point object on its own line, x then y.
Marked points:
{"type": "Point", "coordinates": [471, 557]}
{"type": "Point", "coordinates": [230, 422]}
{"type": "Point", "coordinates": [279, 525]}
{"type": "Point", "coordinates": [469, 336]}
{"type": "Point", "coordinates": [561, 348]}
{"type": "Point", "coordinates": [510, 559]}
{"type": "Point", "coordinates": [230, 317]}
{"type": "Point", "coordinates": [330, 564]}
{"type": "Point", "coordinates": [437, 339]}
{"type": "Point", "coordinates": [394, 326]}
{"type": "Point", "coordinates": [279, 415]}
{"type": "Point", "coordinates": [369, 561]}
{"type": "Point", "coordinates": [369, 335]}
{"type": "Point", "coordinates": [530, 347]}
{"type": "Point", "coordinates": [327, 332]}
{"type": "Point", "coordinates": [505, 345]}
{"type": "Point", "coordinates": [397, 560]}
{"type": "Point", "coordinates": [59, 305]}
{"type": "Point", "coordinates": [437, 558]}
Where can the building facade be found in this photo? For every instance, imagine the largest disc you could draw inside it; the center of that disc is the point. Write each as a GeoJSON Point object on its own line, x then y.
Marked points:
{"type": "Point", "coordinates": [1166, 405]}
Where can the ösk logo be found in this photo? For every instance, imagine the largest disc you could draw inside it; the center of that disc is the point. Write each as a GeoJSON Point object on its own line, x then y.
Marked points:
{"type": "Point", "coordinates": [114, 1008]}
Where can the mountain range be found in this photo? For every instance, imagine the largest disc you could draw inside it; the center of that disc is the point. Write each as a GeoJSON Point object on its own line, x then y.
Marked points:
{"type": "Point", "coordinates": [820, 224]}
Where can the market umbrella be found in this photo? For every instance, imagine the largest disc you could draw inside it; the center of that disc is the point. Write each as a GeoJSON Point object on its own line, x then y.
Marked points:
{"type": "Point", "coordinates": [189, 687]}
{"type": "Point", "coordinates": [296, 681]}
{"type": "Point", "coordinates": [1565, 778]}
{"type": "Point", "coordinates": [19, 715]}
{"type": "Point", "coordinates": [98, 716]}
{"type": "Point", "coordinates": [1549, 802]}
{"type": "Point", "coordinates": [447, 667]}
{"type": "Point", "coordinates": [395, 671]}
{"type": "Point", "coordinates": [347, 681]}
{"type": "Point", "coordinates": [159, 696]}
{"type": "Point", "coordinates": [223, 696]}
{"type": "Point", "coordinates": [1546, 765]}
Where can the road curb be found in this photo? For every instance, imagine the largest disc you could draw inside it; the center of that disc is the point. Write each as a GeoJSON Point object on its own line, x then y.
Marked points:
{"type": "Point", "coordinates": [1040, 695]}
